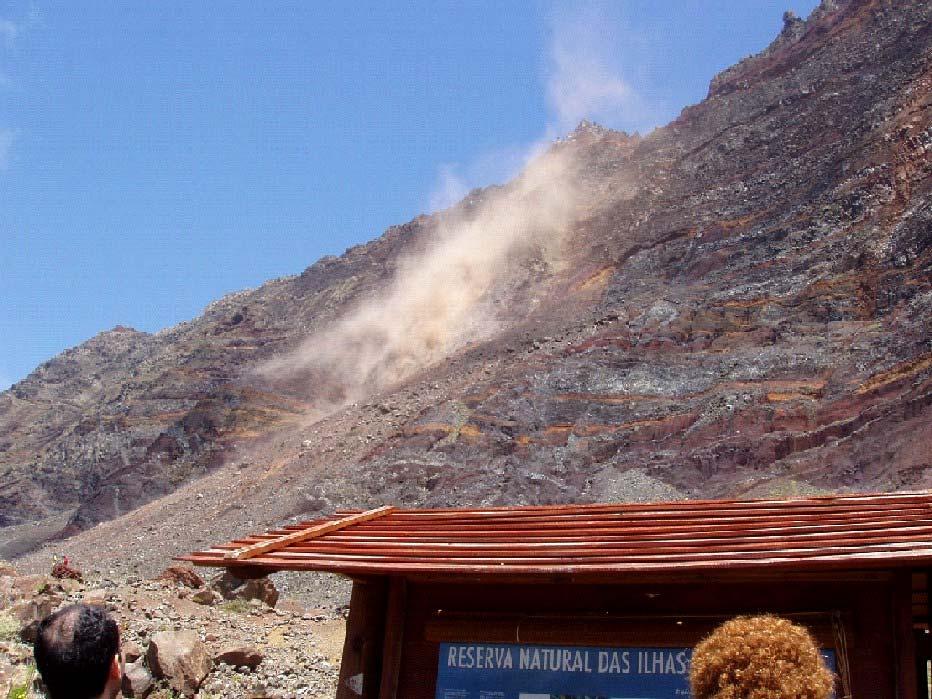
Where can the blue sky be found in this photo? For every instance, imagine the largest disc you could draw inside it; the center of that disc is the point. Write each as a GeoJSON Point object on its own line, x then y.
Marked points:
{"type": "Point", "coordinates": [155, 156]}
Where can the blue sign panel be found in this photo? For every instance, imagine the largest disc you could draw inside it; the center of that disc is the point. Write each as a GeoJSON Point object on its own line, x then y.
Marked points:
{"type": "Point", "coordinates": [499, 671]}
{"type": "Point", "coordinates": [493, 671]}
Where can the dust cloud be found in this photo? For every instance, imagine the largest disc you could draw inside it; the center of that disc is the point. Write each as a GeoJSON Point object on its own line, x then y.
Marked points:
{"type": "Point", "coordinates": [438, 299]}
{"type": "Point", "coordinates": [591, 58]}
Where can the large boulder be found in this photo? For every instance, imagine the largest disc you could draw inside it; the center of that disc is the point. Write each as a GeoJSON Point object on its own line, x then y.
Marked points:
{"type": "Point", "coordinates": [30, 612]}
{"type": "Point", "coordinates": [15, 677]}
{"type": "Point", "coordinates": [8, 593]}
{"type": "Point", "coordinates": [231, 587]}
{"type": "Point", "coordinates": [26, 587]}
{"type": "Point", "coordinates": [182, 575]}
{"type": "Point", "coordinates": [206, 596]}
{"type": "Point", "coordinates": [240, 656]}
{"type": "Point", "coordinates": [137, 681]}
{"type": "Point", "coordinates": [180, 659]}
{"type": "Point", "coordinates": [29, 585]}
{"type": "Point", "coordinates": [132, 651]}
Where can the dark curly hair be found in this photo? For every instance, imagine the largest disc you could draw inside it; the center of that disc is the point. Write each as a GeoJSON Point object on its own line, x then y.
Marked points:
{"type": "Point", "coordinates": [761, 657]}
{"type": "Point", "coordinates": [74, 649]}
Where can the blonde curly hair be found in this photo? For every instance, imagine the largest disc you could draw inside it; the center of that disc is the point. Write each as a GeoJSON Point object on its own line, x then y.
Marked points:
{"type": "Point", "coordinates": [760, 657]}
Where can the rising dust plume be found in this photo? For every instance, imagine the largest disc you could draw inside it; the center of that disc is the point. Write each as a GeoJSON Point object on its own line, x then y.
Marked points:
{"type": "Point", "coordinates": [438, 300]}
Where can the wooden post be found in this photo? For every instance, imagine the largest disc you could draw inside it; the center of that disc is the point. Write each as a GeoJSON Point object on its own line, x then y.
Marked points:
{"type": "Point", "coordinates": [929, 598]}
{"type": "Point", "coordinates": [923, 638]}
{"type": "Point", "coordinates": [394, 637]}
{"type": "Point", "coordinates": [361, 667]}
{"type": "Point", "coordinates": [922, 668]}
{"type": "Point", "coordinates": [904, 642]}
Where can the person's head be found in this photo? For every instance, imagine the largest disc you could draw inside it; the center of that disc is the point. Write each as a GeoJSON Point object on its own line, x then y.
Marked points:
{"type": "Point", "coordinates": [77, 653]}
{"type": "Point", "coordinates": [761, 657]}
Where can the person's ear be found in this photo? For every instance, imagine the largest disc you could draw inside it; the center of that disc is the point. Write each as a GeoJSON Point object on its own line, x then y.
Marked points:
{"type": "Point", "coordinates": [115, 678]}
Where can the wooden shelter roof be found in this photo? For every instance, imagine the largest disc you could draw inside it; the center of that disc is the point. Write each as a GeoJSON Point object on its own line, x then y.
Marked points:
{"type": "Point", "coordinates": [809, 534]}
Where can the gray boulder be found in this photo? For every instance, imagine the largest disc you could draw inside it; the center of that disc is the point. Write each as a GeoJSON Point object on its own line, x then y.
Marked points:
{"type": "Point", "coordinates": [205, 596]}
{"type": "Point", "coordinates": [180, 659]}
{"type": "Point", "coordinates": [137, 681]}
{"type": "Point", "coordinates": [231, 587]}
{"type": "Point", "coordinates": [240, 656]}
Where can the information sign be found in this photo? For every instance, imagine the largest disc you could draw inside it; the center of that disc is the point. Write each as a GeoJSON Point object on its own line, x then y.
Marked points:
{"type": "Point", "coordinates": [499, 671]}
{"type": "Point", "coordinates": [495, 671]}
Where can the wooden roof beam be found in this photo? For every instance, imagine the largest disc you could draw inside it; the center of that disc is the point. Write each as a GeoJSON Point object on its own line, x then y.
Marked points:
{"type": "Point", "coordinates": [280, 542]}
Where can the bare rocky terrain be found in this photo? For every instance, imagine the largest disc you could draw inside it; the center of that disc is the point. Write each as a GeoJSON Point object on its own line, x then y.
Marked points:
{"type": "Point", "coordinates": [742, 306]}
{"type": "Point", "coordinates": [181, 637]}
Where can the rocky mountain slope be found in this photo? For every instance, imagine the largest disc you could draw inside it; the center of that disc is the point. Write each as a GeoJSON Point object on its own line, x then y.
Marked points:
{"type": "Point", "coordinates": [737, 304]}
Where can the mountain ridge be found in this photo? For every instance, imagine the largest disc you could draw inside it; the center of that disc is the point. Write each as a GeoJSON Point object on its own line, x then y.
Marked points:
{"type": "Point", "coordinates": [741, 307]}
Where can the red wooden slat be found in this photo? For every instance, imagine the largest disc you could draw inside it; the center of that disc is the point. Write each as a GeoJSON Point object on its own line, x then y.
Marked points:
{"type": "Point", "coordinates": [609, 535]}
{"type": "Point", "coordinates": [392, 524]}
{"type": "Point", "coordinates": [609, 538]}
{"type": "Point", "coordinates": [672, 510]}
{"type": "Point", "coordinates": [639, 529]}
{"type": "Point", "coordinates": [605, 551]}
{"type": "Point", "coordinates": [553, 529]}
{"type": "Point", "coordinates": [542, 565]}
{"type": "Point", "coordinates": [913, 534]}
{"type": "Point", "coordinates": [858, 560]}
{"type": "Point", "coordinates": [756, 504]}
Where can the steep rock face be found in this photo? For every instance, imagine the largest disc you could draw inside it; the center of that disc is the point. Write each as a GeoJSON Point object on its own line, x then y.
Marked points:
{"type": "Point", "coordinates": [764, 319]}
{"type": "Point", "coordinates": [743, 309]}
